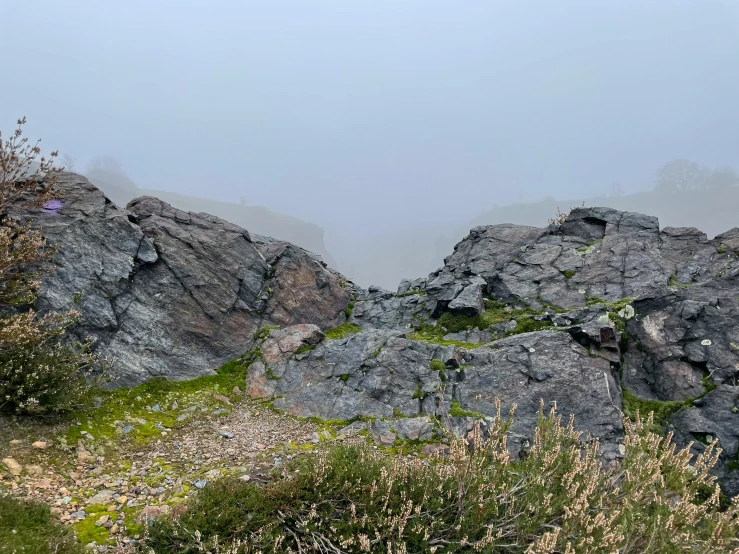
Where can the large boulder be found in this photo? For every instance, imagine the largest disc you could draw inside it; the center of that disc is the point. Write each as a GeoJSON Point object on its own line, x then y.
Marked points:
{"type": "Point", "coordinates": [301, 287]}
{"type": "Point", "coordinates": [172, 293]}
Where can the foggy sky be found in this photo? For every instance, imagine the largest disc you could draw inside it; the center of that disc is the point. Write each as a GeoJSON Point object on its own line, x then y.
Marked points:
{"type": "Point", "coordinates": [370, 117]}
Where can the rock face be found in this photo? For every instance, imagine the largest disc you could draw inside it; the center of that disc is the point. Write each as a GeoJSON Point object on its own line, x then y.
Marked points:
{"type": "Point", "coordinates": [380, 373]}
{"type": "Point", "coordinates": [171, 293]}
{"type": "Point", "coordinates": [620, 303]}
{"type": "Point", "coordinates": [603, 313]}
{"type": "Point", "coordinates": [301, 287]}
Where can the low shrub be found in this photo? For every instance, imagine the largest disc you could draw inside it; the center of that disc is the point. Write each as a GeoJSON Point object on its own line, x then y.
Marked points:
{"type": "Point", "coordinates": [27, 526]}
{"type": "Point", "coordinates": [39, 374]}
{"type": "Point", "coordinates": [558, 498]}
{"type": "Point", "coordinates": [41, 371]}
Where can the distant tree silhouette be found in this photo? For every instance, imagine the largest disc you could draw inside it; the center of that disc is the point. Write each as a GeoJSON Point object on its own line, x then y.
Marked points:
{"type": "Point", "coordinates": [723, 179]}
{"type": "Point", "coordinates": [683, 175]}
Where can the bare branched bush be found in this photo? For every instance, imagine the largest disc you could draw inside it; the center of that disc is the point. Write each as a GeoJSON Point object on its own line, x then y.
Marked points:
{"type": "Point", "coordinates": [561, 217]}
{"type": "Point", "coordinates": [39, 371]}
{"type": "Point", "coordinates": [558, 499]}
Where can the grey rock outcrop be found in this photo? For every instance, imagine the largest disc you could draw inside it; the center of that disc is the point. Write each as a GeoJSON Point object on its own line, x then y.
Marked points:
{"type": "Point", "coordinates": [380, 373]}
{"type": "Point", "coordinates": [716, 416]}
{"type": "Point", "coordinates": [301, 287]}
{"type": "Point", "coordinates": [596, 253]}
{"type": "Point", "coordinates": [172, 293]}
{"type": "Point", "coordinates": [381, 309]}
{"type": "Point", "coordinates": [602, 310]}
{"type": "Point", "coordinates": [628, 306]}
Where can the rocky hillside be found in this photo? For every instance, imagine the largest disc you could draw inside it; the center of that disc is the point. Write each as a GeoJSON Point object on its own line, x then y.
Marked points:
{"type": "Point", "coordinates": [604, 314]}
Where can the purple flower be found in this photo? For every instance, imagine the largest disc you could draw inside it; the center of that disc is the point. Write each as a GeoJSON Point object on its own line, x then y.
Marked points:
{"type": "Point", "coordinates": [52, 206]}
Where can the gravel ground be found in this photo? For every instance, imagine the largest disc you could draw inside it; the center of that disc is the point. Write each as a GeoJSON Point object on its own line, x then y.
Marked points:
{"type": "Point", "coordinates": [127, 485]}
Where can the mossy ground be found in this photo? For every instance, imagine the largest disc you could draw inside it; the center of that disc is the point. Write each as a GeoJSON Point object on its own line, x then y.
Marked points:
{"type": "Point", "coordinates": [88, 532]}
{"type": "Point", "coordinates": [132, 408]}
{"type": "Point", "coordinates": [428, 333]}
{"type": "Point", "coordinates": [495, 312]}
{"type": "Point", "coordinates": [615, 306]}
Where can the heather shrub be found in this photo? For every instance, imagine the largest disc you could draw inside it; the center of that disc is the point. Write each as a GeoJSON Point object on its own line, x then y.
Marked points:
{"type": "Point", "coordinates": [559, 498]}
{"type": "Point", "coordinates": [29, 527]}
{"type": "Point", "coordinates": [40, 371]}
{"type": "Point", "coordinates": [561, 217]}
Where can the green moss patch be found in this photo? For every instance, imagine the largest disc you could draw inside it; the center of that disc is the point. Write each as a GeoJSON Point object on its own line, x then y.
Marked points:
{"type": "Point", "coordinates": [88, 532]}
{"type": "Point", "coordinates": [342, 331]}
{"type": "Point", "coordinates": [139, 414]}
{"type": "Point", "coordinates": [568, 273]}
{"type": "Point", "coordinates": [437, 365]}
{"type": "Point", "coordinates": [495, 312]}
{"type": "Point", "coordinates": [456, 410]}
{"type": "Point", "coordinates": [263, 333]}
{"type": "Point", "coordinates": [304, 349]}
{"type": "Point", "coordinates": [428, 333]}
{"type": "Point", "coordinates": [619, 323]}
{"type": "Point", "coordinates": [662, 410]}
